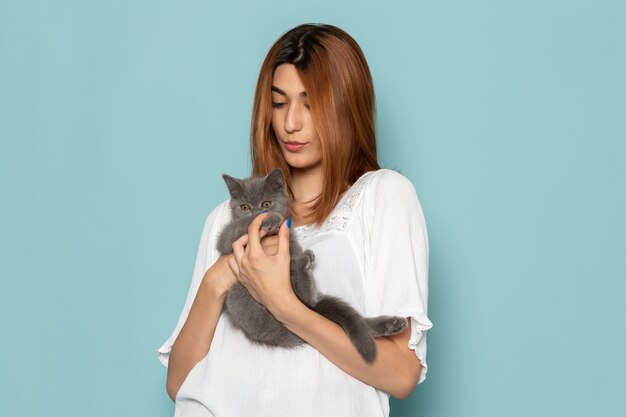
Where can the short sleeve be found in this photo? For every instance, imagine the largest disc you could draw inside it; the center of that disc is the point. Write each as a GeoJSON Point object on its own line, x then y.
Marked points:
{"type": "Point", "coordinates": [205, 257]}
{"type": "Point", "coordinates": [396, 256]}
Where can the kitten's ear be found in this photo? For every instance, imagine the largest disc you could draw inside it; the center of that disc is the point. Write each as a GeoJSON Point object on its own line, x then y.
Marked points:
{"type": "Point", "coordinates": [234, 186]}
{"type": "Point", "coordinates": [275, 180]}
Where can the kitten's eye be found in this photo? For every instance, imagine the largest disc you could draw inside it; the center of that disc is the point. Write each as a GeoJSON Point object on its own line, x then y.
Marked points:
{"type": "Point", "coordinates": [245, 207]}
{"type": "Point", "coordinates": [266, 204]}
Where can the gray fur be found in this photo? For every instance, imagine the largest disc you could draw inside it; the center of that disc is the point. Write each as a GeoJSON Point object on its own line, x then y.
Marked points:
{"type": "Point", "coordinates": [245, 313]}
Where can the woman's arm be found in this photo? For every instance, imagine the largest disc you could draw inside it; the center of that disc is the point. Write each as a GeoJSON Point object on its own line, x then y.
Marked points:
{"type": "Point", "coordinates": [396, 369]}
{"type": "Point", "coordinates": [195, 337]}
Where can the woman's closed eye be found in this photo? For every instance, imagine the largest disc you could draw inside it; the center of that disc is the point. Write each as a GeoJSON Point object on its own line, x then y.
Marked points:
{"type": "Point", "coordinates": [277, 105]}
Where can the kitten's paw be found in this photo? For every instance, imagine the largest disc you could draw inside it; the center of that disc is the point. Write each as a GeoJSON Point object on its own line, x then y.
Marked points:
{"type": "Point", "coordinates": [308, 259]}
{"type": "Point", "coordinates": [386, 325]}
{"type": "Point", "coordinates": [272, 222]}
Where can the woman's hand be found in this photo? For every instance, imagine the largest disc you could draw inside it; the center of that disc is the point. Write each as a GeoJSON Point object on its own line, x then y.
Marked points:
{"type": "Point", "coordinates": [269, 243]}
{"type": "Point", "coordinates": [219, 278]}
{"type": "Point", "coordinates": [265, 276]}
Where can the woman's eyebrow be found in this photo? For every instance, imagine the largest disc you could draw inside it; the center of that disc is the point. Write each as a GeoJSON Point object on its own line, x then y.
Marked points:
{"type": "Point", "coordinates": [279, 91]}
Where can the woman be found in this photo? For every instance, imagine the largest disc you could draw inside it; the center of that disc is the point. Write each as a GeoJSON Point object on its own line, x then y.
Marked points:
{"type": "Point", "coordinates": [313, 117]}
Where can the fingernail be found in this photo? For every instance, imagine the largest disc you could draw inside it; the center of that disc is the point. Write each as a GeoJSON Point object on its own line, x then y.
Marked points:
{"type": "Point", "coordinates": [289, 222]}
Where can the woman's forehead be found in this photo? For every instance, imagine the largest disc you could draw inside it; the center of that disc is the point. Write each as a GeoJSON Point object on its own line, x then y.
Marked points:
{"type": "Point", "coordinates": [287, 81]}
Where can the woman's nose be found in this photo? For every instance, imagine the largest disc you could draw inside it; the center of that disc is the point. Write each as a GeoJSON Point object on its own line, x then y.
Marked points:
{"type": "Point", "coordinates": [293, 121]}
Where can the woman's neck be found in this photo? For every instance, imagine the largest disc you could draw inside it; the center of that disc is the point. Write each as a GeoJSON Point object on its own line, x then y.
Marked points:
{"type": "Point", "coordinates": [306, 184]}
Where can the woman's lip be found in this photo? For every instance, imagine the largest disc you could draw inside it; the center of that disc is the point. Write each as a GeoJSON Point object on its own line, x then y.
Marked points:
{"type": "Point", "coordinates": [294, 146]}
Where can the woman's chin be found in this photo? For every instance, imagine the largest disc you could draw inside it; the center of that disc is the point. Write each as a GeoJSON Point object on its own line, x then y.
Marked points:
{"type": "Point", "coordinates": [301, 163]}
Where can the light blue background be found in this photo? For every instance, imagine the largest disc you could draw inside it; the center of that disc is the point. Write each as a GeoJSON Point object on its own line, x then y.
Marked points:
{"type": "Point", "coordinates": [117, 119]}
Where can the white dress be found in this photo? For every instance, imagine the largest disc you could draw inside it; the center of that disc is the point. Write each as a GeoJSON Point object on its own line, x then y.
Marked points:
{"type": "Point", "coordinates": [373, 252]}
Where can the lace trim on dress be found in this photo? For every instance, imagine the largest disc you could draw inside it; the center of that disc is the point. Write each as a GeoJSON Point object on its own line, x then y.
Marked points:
{"type": "Point", "coordinates": [340, 217]}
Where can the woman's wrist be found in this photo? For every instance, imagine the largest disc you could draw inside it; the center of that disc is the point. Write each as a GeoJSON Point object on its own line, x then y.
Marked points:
{"type": "Point", "coordinates": [215, 283]}
{"type": "Point", "coordinates": [213, 292]}
{"type": "Point", "coordinates": [287, 309]}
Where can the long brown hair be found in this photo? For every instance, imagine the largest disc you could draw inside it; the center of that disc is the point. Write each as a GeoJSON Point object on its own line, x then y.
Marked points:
{"type": "Point", "coordinates": [339, 86]}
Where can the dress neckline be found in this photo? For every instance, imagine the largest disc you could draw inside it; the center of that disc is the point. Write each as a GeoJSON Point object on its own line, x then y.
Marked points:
{"type": "Point", "coordinates": [340, 202]}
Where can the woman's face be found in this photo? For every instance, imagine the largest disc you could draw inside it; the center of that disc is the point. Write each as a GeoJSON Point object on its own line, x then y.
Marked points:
{"type": "Point", "coordinates": [292, 121]}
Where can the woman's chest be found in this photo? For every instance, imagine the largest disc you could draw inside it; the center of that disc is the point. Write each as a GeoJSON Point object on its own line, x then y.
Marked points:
{"type": "Point", "coordinates": [338, 267]}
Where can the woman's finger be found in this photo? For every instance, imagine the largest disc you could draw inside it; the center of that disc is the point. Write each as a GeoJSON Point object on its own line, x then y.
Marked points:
{"type": "Point", "coordinates": [283, 239]}
{"type": "Point", "coordinates": [233, 265]}
{"type": "Point", "coordinates": [238, 248]}
{"type": "Point", "coordinates": [254, 240]}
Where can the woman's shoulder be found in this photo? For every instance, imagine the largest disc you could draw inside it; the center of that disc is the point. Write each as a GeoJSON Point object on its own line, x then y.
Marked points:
{"type": "Point", "coordinates": [389, 193]}
{"type": "Point", "coordinates": [388, 183]}
{"type": "Point", "coordinates": [219, 215]}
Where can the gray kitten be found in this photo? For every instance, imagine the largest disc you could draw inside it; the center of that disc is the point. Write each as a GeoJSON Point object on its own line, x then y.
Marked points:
{"type": "Point", "coordinates": [249, 198]}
